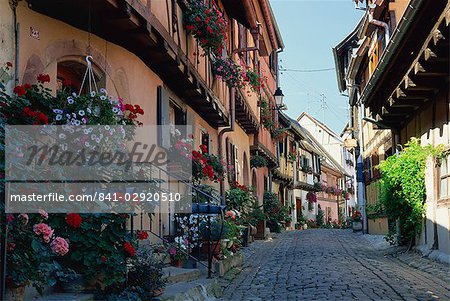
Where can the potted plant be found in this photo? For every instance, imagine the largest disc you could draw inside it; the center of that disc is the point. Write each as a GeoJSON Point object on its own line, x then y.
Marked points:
{"type": "Point", "coordinates": [258, 161]}
{"type": "Point", "coordinates": [357, 221]}
{"type": "Point", "coordinates": [32, 248]}
{"type": "Point", "coordinates": [219, 230]}
{"type": "Point", "coordinates": [207, 24]}
{"type": "Point", "coordinates": [228, 71]}
{"type": "Point", "coordinates": [253, 79]}
{"type": "Point", "coordinates": [292, 156]}
{"type": "Point", "coordinates": [146, 272]}
{"type": "Point", "coordinates": [288, 222]}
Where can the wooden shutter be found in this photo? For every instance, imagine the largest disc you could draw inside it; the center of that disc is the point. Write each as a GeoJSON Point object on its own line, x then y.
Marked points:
{"type": "Point", "coordinates": [163, 104]}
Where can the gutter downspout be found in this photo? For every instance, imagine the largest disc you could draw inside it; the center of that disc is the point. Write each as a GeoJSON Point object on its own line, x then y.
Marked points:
{"type": "Point", "coordinates": [227, 130]}
{"type": "Point", "coordinates": [381, 24]}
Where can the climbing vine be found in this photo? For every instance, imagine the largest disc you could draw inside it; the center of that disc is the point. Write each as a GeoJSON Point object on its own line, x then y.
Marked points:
{"type": "Point", "coordinates": [403, 189]}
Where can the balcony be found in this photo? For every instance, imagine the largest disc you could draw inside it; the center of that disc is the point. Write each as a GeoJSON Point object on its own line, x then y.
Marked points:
{"type": "Point", "coordinates": [245, 116]}
{"type": "Point", "coordinates": [153, 31]}
{"type": "Point", "coordinates": [264, 146]}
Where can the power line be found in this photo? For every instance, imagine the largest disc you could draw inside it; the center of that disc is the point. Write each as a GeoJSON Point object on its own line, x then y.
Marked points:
{"type": "Point", "coordinates": [307, 70]}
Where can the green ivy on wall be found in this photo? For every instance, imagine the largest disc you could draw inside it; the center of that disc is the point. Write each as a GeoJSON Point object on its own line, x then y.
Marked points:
{"type": "Point", "coordinates": [403, 191]}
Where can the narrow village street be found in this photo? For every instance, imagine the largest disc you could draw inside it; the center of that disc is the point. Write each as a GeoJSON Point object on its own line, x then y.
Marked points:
{"type": "Point", "coordinates": [328, 264]}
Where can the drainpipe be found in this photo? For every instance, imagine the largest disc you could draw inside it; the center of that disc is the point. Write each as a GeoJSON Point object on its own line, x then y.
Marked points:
{"type": "Point", "coordinates": [227, 130]}
{"type": "Point", "coordinates": [361, 186]}
{"type": "Point", "coordinates": [381, 24]}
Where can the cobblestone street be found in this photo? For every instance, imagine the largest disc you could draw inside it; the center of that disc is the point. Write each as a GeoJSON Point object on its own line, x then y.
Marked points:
{"type": "Point", "coordinates": [333, 265]}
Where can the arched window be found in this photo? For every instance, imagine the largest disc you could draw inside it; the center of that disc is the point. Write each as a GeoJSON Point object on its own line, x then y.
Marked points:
{"type": "Point", "coordinates": [72, 69]}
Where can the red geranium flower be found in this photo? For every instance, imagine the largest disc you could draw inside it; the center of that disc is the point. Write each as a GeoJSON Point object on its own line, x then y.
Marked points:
{"type": "Point", "coordinates": [142, 235]}
{"type": "Point", "coordinates": [43, 78]}
{"type": "Point", "coordinates": [203, 148]}
{"type": "Point", "coordinates": [8, 64]}
{"type": "Point", "coordinates": [103, 258]}
{"type": "Point", "coordinates": [190, 27]}
{"type": "Point", "coordinates": [20, 91]}
{"type": "Point", "coordinates": [129, 248]}
{"type": "Point", "coordinates": [74, 220]}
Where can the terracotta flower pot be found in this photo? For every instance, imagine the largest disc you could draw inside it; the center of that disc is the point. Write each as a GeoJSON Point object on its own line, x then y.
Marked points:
{"type": "Point", "coordinates": [253, 230]}
{"type": "Point", "coordinates": [177, 263]}
{"type": "Point", "coordinates": [15, 293]}
{"type": "Point", "coordinates": [215, 248]}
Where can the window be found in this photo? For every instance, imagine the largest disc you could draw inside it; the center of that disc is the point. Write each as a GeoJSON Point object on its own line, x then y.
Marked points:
{"type": "Point", "coordinates": [444, 178]}
{"type": "Point", "coordinates": [232, 161]}
{"type": "Point", "coordinates": [273, 62]}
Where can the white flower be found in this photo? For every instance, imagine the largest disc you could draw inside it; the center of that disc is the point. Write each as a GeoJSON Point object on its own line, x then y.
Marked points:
{"type": "Point", "coordinates": [177, 132]}
{"type": "Point", "coordinates": [86, 131]}
{"type": "Point", "coordinates": [73, 121]}
{"type": "Point", "coordinates": [103, 97]}
{"type": "Point", "coordinates": [74, 115]}
{"type": "Point", "coordinates": [77, 122]}
{"type": "Point", "coordinates": [103, 90]}
{"type": "Point", "coordinates": [70, 100]}
{"type": "Point", "coordinates": [81, 112]}
{"type": "Point", "coordinates": [107, 127]}
{"type": "Point", "coordinates": [62, 136]}
{"type": "Point", "coordinates": [89, 110]}
{"type": "Point", "coordinates": [58, 117]}
{"type": "Point", "coordinates": [92, 93]}
{"type": "Point", "coordinates": [74, 94]}
{"type": "Point", "coordinates": [97, 140]}
{"type": "Point", "coordinates": [86, 144]}
{"type": "Point", "coordinates": [57, 111]}
{"type": "Point", "coordinates": [115, 110]}
{"type": "Point", "coordinates": [93, 137]}
{"type": "Point", "coordinates": [97, 111]}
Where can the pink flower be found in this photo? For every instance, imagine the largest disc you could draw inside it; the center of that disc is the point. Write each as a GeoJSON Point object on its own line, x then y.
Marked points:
{"type": "Point", "coordinates": [59, 246]}
{"type": "Point", "coordinates": [173, 251]}
{"type": "Point", "coordinates": [43, 213]}
{"type": "Point", "coordinates": [23, 218]}
{"type": "Point", "coordinates": [44, 230]}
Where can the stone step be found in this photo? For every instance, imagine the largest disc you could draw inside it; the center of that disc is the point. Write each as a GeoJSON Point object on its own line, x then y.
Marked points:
{"type": "Point", "coordinates": [65, 297]}
{"type": "Point", "coordinates": [197, 290]}
{"type": "Point", "coordinates": [177, 275]}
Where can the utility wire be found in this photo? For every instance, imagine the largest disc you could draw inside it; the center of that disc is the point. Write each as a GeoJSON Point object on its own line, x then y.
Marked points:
{"type": "Point", "coordinates": [307, 70]}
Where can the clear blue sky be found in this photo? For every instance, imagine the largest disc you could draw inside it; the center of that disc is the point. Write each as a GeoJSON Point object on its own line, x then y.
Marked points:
{"type": "Point", "coordinates": [310, 28]}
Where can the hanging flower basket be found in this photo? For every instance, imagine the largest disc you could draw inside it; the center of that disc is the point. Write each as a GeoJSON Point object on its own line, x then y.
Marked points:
{"type": "Point", "coordinates": [253, 79]}
{"type": "Point", "coordinates": [258, 161]}
{"type": "Point", "coordinates": [207, 24]}
{"type": "Point", "coordinates": [311, 197]}
{"type": "Point", "coordinates": [227, 71]}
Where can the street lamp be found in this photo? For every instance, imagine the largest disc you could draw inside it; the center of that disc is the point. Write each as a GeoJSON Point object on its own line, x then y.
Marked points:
{"type": "Point", "coordinates": [279, 96]}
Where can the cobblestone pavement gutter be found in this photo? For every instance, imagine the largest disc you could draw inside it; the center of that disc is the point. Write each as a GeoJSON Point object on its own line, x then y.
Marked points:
{"type": "Point", "coordinates": [323, 264]}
